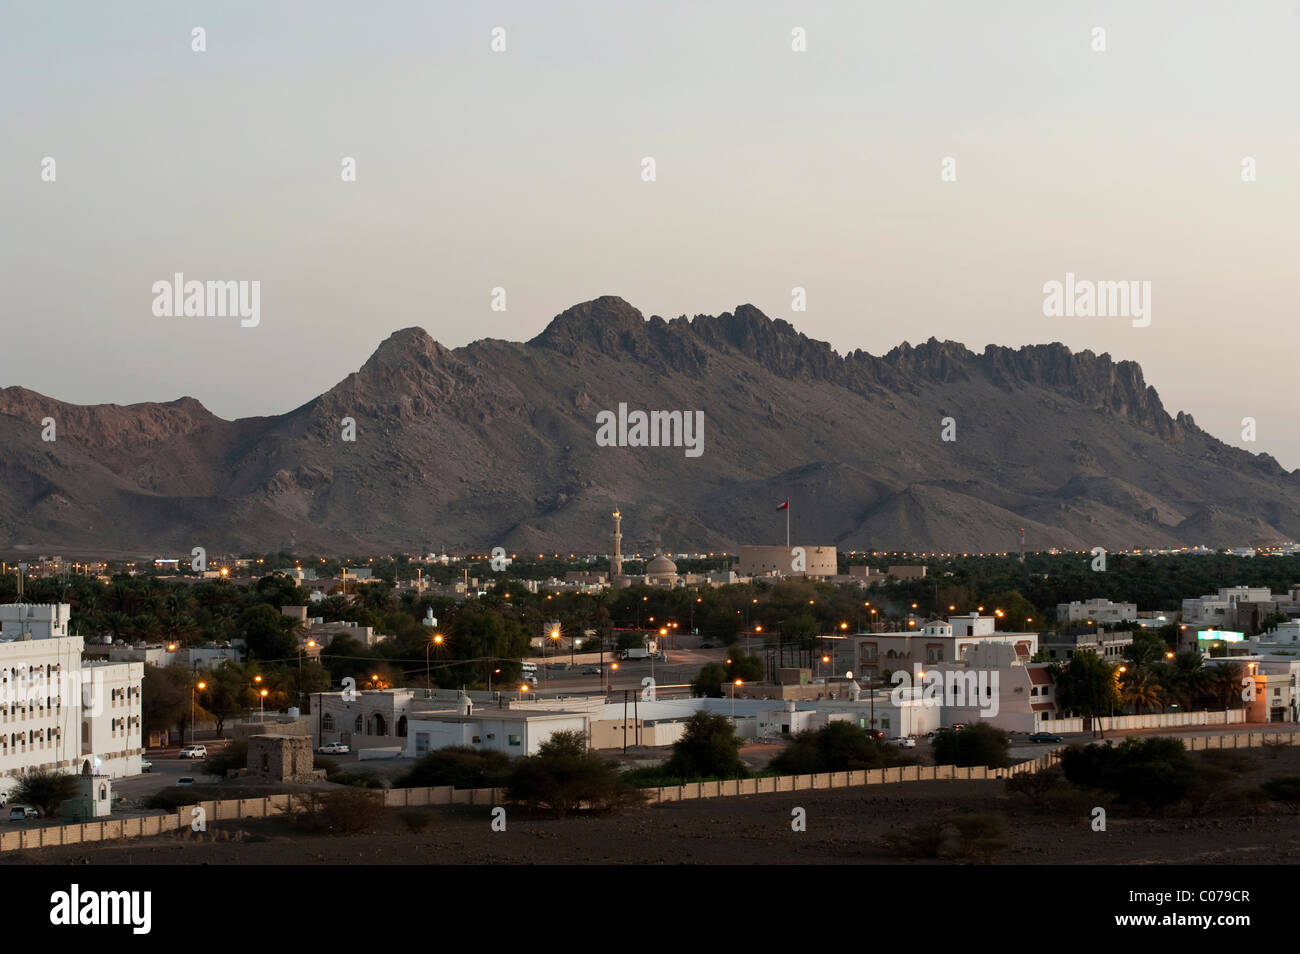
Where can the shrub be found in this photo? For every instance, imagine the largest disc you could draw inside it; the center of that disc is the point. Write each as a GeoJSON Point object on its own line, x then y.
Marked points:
{"type": "Point", "coordinates": [458, 766]}
{"type": "Point", "coordinates": [344, 811]}
{"type": "Point", "coordinates": [1284, 789]}
{"type": "Point", "coordinates": [1152, 772]}
{"type": "Point", "coordinates": [1232, 760]}
{"type": "Point", "coordinates": [416, 819]}
{"type": "Point", "coordinates": [1210, 785]}
{"type": "Point", "coordinates": [928, 839]}
{"type": "Point", "coordinates": [229, 759]}
{"type": "Point", "coordinates": [44, 789]}
{"type": "Point", "coordinates": [1035, 786]}
{"type": "Point", "coordinates": [983, 834]}
{"type": "Point", "coordinates": [1075, 805]}
{"type": "Point", "coordinates": [979, 744]}
{"type": "Point", "coordinates": [958, 835]}
{"type": "Point", "coordinates": [172, 798]}
{"type": "Point", "coordinates": [837, 747]}
{"type": "Point", "coordinates": [1274, 747]}
{"type": "Point", "coordinates": [707, 749]}
{"type": "Point", "coordinates": [565, 775]}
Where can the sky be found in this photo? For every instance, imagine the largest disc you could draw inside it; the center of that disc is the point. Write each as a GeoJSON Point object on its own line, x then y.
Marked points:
{"type": "Point", "coordinates": [522, 169]}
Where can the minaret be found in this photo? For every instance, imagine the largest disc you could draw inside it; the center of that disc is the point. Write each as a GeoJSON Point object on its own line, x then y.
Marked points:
{"type": "Point", "coordinates": [616, 561]}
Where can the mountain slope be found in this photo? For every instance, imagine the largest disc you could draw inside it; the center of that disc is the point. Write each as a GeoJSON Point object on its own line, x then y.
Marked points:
{"type": "Point", "coordinates": [495, 444]}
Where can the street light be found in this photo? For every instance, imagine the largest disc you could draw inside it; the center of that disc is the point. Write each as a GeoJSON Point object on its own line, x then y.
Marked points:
{"type": "Point", "coordinates": [434, 640]}
{"type": "Point", "coordinates": [262, 702]}
{"type": "Point", "coordinates": [733, 698]}
{"type": "Point", "coordinates": [198, 685]}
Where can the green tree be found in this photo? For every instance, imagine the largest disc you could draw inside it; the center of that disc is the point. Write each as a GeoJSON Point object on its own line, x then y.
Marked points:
{"type": "Point", "coordinates": [979, 744]}
{"type": "Point", "coordinates": [224, 696]}
{"type": "Point", "coordinates": [836, 747]}
{"type": "Point", "coordinates": [44, 789]}
{"type": "Point", "coordinates": [165, 698]}
{"type": "Point", "coordinates": [708, 748]}
{"type": "Point", "coordinates": [1087, 685]}
{"type": "Point", "coordinates": [565, 774]}
{"type": "Point", "coordinates": [1141, 690]}
{"type": "Point", "coordinates": [1154, 772]}
{"type": "Point", "coordinates": [459, 766]}
{"type": "Point", "coordinates": [1147, 649]}
{"type": "Point", "coordinates": [709, 680]}
{"type": "Point", "coordinates": [266, 632]}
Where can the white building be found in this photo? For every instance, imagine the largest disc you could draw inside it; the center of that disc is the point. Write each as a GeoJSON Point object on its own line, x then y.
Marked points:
{"type": "Point", "coordinates": [57, 712]}
{"type": "Point", "coordinates": [512, 731]}
{"type": "Point", "coordinates": [1220, 609]}
{"type": "Point", "coordinates": [1096, 610]}
{"type": "Point", "coordinates": [870, 655]}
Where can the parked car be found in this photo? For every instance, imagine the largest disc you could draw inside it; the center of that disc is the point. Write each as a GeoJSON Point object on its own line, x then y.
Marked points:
{"type": "Point", "coordinates": [1045, 737]}
{"type": "Point", "coordinates": [706, 645]}
{"type": "Point", "coordinates": [907, 742]}
{"type": "Point", "coordinates": [958, 726]}
{"type": "Point", "coordinates": [591, 671]}
{"type": "Point", "coordinates": [194, 752]}
{"type": "Point", "coordinates": [333, 748]}
{"type": "Point", "coordinates": [23, 813]}
{"type": "Point", "coordinates": [146, 765]}
{"type": "Point", "coordinates": [185, 780]}
{"type": "Point", "coordinates": [876, 734]}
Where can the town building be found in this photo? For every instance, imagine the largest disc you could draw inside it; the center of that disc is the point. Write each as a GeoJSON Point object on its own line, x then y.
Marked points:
{"type": "Point", "coordinates": [872, 655]}
{"type": "Point", "coordinates": [1062, 644]}
{"type": "Point", "coordinates": [57, 711]}
{"type": "Point", "coordinates": [1095, 610]}
{"type": "Point", "coordinates": [810, 561]}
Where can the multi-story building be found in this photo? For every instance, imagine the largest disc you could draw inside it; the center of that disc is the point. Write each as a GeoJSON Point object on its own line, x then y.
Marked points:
{"type": "Point", "coordinates": [1096, 610]}
{"type": "Point", "coordinates": [870, 655]}
{"type": "Point", "coordinates": [1220, 610]}
{"type": "Point", "coordinates": [57, 712]}
{"type": "Point", "coordinates": [1065, 643]}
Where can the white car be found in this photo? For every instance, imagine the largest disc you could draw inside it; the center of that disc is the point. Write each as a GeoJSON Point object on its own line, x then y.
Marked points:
{"type": "Point", "coordinates": [333, 748]}
{"type": "Point", "coordinates": [146, 765]}
{"type": "Point", "coordinates": [907, 742]}
{"type": "Point", "coordinates": [194, 752]}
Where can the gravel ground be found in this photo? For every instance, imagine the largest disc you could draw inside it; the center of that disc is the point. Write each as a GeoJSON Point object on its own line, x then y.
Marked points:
{"type": "Point", "coordinates": [843, 827]}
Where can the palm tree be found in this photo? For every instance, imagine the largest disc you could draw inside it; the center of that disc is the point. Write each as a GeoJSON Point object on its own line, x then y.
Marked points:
{"type": "Point", "coordinates": [1224, 685]}
{"type": "Point", "coordinates": [1141, 690]}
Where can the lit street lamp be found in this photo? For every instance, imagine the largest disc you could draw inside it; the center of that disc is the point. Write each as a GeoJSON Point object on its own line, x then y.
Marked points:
{"type": "Point", "coordinates": [198, 685]}
{"type": "Point", "coordinates": [434, 640]}
{"type": "Point", "coordinates": [733, 698]}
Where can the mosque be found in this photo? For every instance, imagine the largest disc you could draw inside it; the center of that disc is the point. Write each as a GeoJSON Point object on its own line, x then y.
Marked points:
{"type": "Point", "coordinates": [661, 571]}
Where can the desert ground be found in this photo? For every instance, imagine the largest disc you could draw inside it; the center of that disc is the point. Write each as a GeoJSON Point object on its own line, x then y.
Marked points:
{"type": "Point", "coordinates": [846, 826]}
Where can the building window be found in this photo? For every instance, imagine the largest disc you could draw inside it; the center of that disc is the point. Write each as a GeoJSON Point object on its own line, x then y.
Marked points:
{"type": "Point", "coordinates": [514, 740]}
{"type": "Point", "coordinates": [327, 722]}
{"type": "Point", "coordinates": [358, 726]}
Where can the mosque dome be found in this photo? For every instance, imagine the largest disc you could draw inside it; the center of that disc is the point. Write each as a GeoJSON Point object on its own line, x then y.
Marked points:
{"type": "Point", "coordinates": [661, 566]}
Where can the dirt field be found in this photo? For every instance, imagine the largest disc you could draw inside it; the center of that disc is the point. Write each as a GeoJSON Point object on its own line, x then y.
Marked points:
{"type": "Point", "coordinates": [843, 827]}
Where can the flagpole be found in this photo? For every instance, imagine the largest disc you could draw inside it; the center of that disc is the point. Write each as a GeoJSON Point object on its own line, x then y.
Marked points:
{"type": "Point", "coordinates": [787, 524]}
